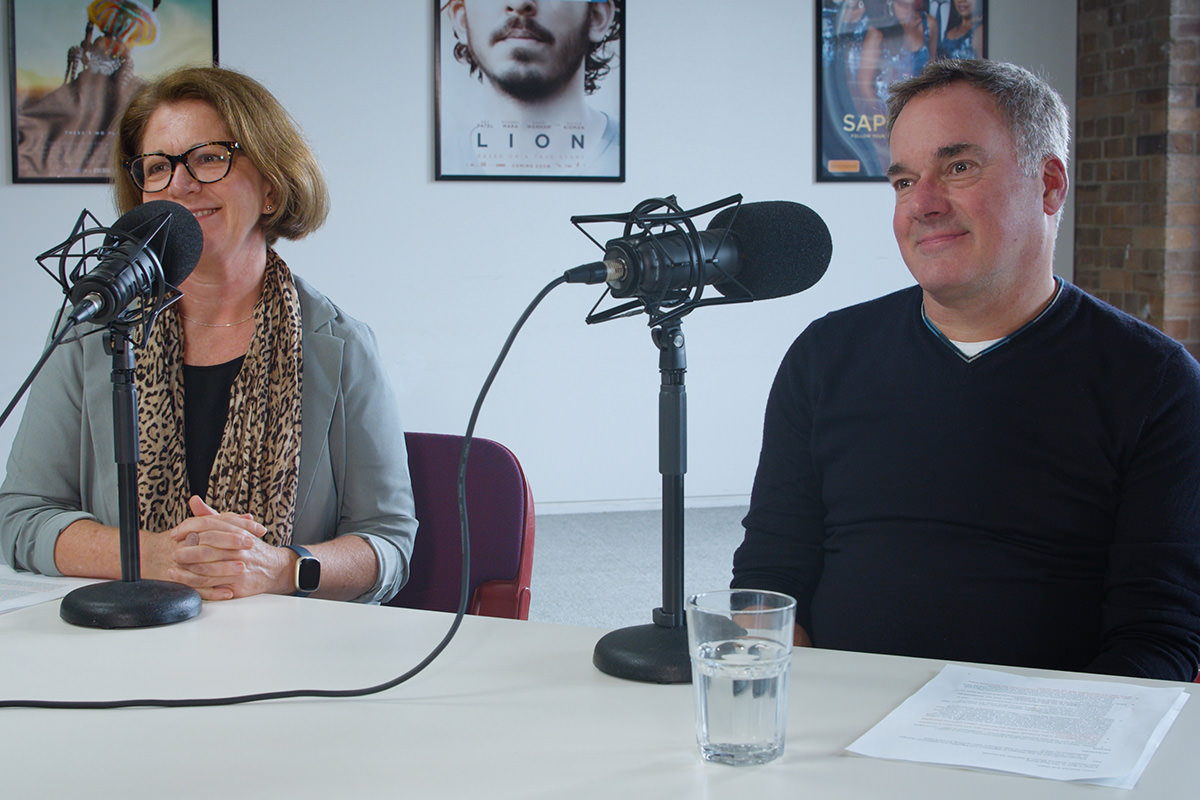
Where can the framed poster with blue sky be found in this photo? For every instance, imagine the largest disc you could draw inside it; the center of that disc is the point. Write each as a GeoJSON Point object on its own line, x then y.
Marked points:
{"type": "Point", "coordinates": [75, 64]}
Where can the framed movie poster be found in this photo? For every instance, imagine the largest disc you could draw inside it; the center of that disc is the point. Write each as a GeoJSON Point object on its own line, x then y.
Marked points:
{"type": "Point", "coordinates": [866, 45]}
{"type": "Point", "coordinates": [75, 64]}
{"type": "Point", "coordinates": [531, 91]}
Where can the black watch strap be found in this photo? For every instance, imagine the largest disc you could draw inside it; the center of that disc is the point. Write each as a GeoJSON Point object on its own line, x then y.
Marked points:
{"type": "Point", "coordinates": [308, 571]}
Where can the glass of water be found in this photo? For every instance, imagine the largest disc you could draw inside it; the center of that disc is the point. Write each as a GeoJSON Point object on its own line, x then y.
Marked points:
{"type": "Point", "coordinates": [740, 641]}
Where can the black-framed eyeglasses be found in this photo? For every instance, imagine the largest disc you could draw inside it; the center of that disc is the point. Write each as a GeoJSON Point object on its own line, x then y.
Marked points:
{"type": "Point", "coordinates": [207, 163]}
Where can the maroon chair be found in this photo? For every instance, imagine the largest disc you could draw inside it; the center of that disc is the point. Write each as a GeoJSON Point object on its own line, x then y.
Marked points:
{"type": "Point", "coordinates": [501, 520]}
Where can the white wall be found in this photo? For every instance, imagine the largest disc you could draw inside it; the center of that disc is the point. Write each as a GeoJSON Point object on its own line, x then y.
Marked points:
{"type": "Point", "coordinates": [719, 100]}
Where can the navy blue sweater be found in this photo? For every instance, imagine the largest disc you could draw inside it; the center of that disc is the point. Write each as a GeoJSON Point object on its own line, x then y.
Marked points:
{"type": "Point", "coordinates": [1038, 505]}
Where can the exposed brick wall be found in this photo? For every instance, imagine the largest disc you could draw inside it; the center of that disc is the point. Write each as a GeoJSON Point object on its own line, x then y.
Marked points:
{"type": "Point", "coordinates": [1137, 199]}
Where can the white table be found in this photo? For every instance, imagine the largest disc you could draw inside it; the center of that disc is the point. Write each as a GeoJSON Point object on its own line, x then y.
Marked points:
{"type": "Point", "coordinates": [510, 710]}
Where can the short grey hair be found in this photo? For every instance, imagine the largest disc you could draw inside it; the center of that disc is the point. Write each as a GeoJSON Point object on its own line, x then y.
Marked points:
{"type": "Point", "coordinates": [1036, 115]}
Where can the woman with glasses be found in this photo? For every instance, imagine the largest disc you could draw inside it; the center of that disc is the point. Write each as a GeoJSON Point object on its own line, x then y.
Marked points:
{"type": "Point", "coordinates": [271, 453]}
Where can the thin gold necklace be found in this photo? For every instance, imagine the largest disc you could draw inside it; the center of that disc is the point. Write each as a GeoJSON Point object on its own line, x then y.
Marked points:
{"type": "Point", "coordinates": [216, 324]}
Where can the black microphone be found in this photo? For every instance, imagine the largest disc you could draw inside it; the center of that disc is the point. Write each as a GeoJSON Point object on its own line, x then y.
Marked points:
{"type": "Point", "coordinates": [154, 244]}
{"type": "Point", "coordinates": [754, 251]}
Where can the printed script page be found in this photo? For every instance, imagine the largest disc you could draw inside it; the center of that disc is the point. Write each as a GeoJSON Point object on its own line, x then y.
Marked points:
{"type": "Point", "coordinates": [1101, 732]}
{"type": "Point", "coordinates": [20, 589]}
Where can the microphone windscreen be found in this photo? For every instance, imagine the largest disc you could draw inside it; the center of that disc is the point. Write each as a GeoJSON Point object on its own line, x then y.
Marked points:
{"type": "Point", "coordinates": [783, 248]}
{"type": "Point", "coordinates": [178, 244]}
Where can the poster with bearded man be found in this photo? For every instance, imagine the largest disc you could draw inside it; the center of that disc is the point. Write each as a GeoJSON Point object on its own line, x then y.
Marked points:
{"type": "Point", "coordinates": [530, 90]}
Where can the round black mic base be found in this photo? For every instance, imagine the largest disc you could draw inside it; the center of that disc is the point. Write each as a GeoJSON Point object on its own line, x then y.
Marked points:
{"type": "Point", "coordinates": [129, 604]}
{"type": "Point", "coordinates": [648, 653]}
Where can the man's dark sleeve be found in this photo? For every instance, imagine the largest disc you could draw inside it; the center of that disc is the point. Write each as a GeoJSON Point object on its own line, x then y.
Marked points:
{"type": "Point", "coordinates": [784, 528]}
{"type": "Point", "coordinates": [1151, 620]}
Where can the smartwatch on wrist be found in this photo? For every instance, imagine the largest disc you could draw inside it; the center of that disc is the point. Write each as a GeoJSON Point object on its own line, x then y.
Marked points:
{"type": "Point", "coordinates": [308, 571]}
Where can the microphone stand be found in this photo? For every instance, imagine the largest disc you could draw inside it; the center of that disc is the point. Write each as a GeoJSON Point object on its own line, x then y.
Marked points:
{"type": "Point", "coordinates": [130, 602]}
{"type": "Point", "coordinates": [658, 652]}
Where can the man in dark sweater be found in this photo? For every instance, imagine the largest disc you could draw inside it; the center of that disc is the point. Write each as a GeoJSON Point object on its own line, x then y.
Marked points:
{"type": "Point", "coordinates": [990, 466]}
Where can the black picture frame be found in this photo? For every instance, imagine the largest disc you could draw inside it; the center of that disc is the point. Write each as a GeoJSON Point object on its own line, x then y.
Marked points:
{"type": "Point", "coordinates": [851, 111]}
{"type": "Point", "coordinates": [61, 127]}
{"type": "Point", "coordinates": [484, 132]}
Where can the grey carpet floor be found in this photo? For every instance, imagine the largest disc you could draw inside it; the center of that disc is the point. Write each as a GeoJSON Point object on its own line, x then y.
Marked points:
{"type": "Point", "coordinates": [604, 570]}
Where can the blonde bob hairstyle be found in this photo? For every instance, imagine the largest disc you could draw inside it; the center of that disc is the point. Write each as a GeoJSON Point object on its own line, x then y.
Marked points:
{"type": "Point", "coordinates": [268, 136]}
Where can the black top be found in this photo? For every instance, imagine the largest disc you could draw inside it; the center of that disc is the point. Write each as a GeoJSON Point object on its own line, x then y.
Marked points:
{"type": "Point", "coordinates": [1036, 505]}
{"type": "Point", "coordinates": [205, 408]}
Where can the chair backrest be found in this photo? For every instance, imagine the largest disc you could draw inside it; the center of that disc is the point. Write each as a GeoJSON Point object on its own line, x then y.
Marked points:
{"type": "Point", "coordinates": [501, 520]}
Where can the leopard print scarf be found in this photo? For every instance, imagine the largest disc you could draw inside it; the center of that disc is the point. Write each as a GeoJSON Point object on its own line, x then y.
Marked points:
{"type": "Point", "coordinates": [257, 465]}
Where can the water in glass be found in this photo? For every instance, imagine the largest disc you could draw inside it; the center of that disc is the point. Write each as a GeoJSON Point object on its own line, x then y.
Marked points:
{"type": "Point", "coordinates": [741, 696]}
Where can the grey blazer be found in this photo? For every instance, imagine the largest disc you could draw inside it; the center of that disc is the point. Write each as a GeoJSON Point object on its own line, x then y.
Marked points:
{"type": "Point", "coordinates": [353, 464]}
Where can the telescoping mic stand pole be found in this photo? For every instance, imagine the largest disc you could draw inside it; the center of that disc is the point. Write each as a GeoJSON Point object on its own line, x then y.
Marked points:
{"type": "Point", "coordinates": [658, 652]}
{"type": "Point", "coordinates": [130, 602]}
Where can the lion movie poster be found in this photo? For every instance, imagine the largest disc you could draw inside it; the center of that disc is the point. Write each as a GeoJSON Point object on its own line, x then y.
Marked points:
{"type": "Point", "coordinates": [75, 64]}
{"type": "Point", "coordinates": [866, 45]}
{"type": "Point", "coordinates": [530, 91]}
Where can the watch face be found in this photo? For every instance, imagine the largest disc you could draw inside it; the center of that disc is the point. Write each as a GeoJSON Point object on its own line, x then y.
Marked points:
{"type": "Point", "coordinates": [308, 574]}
